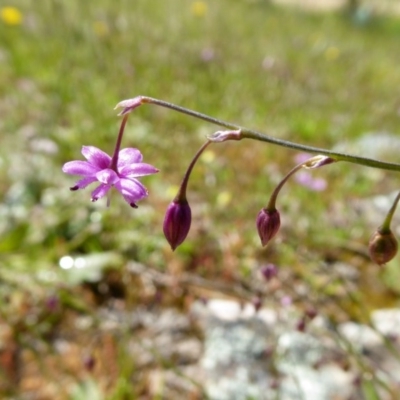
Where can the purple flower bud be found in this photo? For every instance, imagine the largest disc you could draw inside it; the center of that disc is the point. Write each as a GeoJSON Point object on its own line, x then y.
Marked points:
{"type": "Point", "coordinates": [301, 325]}
{"type": "Point", "coordinates": [89, 362]}
{"type": "Point", "coordinates": [52, 303]}
{"type": "Point", "coordinates": [311, 312]}
{"type": "Point", "coordinates": [382, 246]}
{"type": "Point", "coordinates": [269, 271]}
{"type": "Point", "coordinates": [177, 222]}
{"type": "Point", "coordinates": [268, 223]}
{"type": "Point", "coordinates": [257, 303]}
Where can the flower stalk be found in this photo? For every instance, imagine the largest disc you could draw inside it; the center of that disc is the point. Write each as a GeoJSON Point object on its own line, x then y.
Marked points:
{"type": "Point", "coordinates": [178, 217]}
{"type": "Point", "coordinates": [181, 195]}
{"type": "Point", "coordinates": [268, 219]}
{"type": "Point", "coordinates": [313, 162]}
{"type": "Point", "coordinates": [114, 160]}
{"type": "Point", "coordinates": [388, 220]}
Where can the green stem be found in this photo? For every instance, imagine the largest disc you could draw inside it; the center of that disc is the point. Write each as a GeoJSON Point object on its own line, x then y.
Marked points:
{"type": "Point", "coordinates": [255, 135]}
{"type": "Point", "coordinates": [385, 228]}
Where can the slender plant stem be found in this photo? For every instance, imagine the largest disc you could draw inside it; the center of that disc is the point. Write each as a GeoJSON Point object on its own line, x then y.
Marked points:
{"type": "Point", "coordinates": [385, 228]}
{"type": "Point", "coordinates": [114, 160]}
{"type": "Point", "coordinates": [255, 135]}
{"type": "Point", "coordinates": [272, 200]}
{"type": "Point", "coordinates": [182, 189]}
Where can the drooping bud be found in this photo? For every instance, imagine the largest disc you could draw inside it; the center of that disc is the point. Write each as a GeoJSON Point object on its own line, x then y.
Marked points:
{"type": "Point", "coordinates": [177, 222]}
{"type": "Point", "coordinates": [311, 312]}
{"type": "Point", "coordinates": [382, 246]}
{"type": "Point", "coordinates": [257, 303]}
{"type": "Point", "coordinates": [89, 362]}
{"type": "Point", "coordinates": [301, 324]}
{"type": "Point", "coordinates": [268, 223]}
{"type": "Point", "coordinates": [179, 216]}
{"type": "Point", "coordinates": [268, 219]}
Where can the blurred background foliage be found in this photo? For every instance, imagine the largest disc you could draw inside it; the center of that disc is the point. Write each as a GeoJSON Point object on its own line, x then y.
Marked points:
{"type": "Point", "coordinates": [324, 79]}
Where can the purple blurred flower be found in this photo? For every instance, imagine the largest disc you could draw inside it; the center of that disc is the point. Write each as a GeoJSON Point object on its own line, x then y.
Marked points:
{"type": "Point", "coordinates": [286, 301]}
{"type": "Point", "coordinates": [99, 168]}
{"type": "Point", "coordinates": [301, 324]}
{"type": "Point", "coordinates": [269, 271]}
{"type": "Point", "coordinates": [257, 303]}
{"type": "Point", "coordinates": [306, 179]}
{"type": "Point", "coordinates": [302, 157]}
{"type": "Point", "coordinates": [207, 54]}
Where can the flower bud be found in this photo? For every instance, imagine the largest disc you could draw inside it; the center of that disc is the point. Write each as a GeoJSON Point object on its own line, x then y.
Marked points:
{"type": "Point", "coordinates": [301, 324]}
{"type": "Point", "coordinates": [89, 362]}
{"type": "Point", "coordinates": [311, 312]}
{"type": "Point", "coordinates": [268, 223]}
{"type": "Point", "coordinates": [382, 246]}
{"type": "Point", "coordinates": [257, 303]}
{"type": "Point", "coordinates": [177, 222]}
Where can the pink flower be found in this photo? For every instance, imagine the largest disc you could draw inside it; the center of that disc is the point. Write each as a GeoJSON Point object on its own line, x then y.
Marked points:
{"type": "Point", "coordinates": [123, 176]}
{"type": "Point", "coordinates": [306, 179]}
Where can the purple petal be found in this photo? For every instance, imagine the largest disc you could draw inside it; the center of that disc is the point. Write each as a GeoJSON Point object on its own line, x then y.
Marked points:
{"type": "Point", "coordinates": [96, 157]}
{"type": "Point", "coordinates": [79, 168]}
{"type": "Point", "coordinates": [131, 190]}
{"type": "Point", "coordinates": [107, 176]}
{"type": "Point", "coordinates": [306, 179]}
{"type": "Point", "coordinates": [100, 192]}
{"type": "Point", "coordinates": [302, 157]}
{"type": "Point", "coordinates": [129, 156]}
{"type": "Point", "coordinates": [84, 182]}
{"type": "Point", "coordinates": [139, 169]}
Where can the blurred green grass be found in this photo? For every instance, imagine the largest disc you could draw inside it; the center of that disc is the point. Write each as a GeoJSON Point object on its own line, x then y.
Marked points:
{"type": "Point", "coordinates": [315, 79]}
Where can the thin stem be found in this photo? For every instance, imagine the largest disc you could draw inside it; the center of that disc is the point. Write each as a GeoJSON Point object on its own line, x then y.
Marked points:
{"type": "Point", "coordinates": [272, 200]}
{"type": "Point", "coordinates": [255, 135]}
{"type": "Point", "coordinates": [385, 228]}
{"type": "Point", "coordinates": [114, 160]}
{"type": "Point", "coordinates": [182, 190]}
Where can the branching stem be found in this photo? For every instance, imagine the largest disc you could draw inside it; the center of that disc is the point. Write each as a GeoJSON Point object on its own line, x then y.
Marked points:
{"type": "Point", "coordinates": [255, 135]}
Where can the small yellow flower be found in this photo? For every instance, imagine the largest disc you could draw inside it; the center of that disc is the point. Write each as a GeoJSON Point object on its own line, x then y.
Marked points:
{"type": "Point", "coordinates": [224, 198]}
{"type": "Point", "coordinates": [11, 15]}
{"type": "Point", "coordinates": [100, 28]}
{"type": "Point", "coordinates": [172, 191]}
{"type": "Point", "coordinates": [199, 8]}
{"type": "Point", "coordinates": [332, 53]}
{"type": "Point", "coordinates": [208, 156]}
